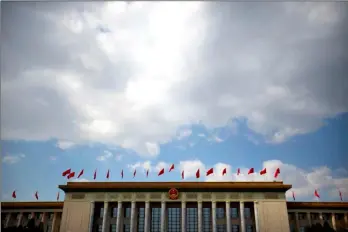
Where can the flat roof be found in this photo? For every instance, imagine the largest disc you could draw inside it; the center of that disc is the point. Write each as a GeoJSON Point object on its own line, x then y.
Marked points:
{"type": "Point", "coordinates": [181, 186]}
{"type": "Point", "coordinates": [59, 205]}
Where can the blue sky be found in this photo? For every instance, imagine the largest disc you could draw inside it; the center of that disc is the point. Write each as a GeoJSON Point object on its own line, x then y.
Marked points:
{"type": "Point", "coordinates": [44, 161]}
{"type": "Point", "coordinates": [112, 85]}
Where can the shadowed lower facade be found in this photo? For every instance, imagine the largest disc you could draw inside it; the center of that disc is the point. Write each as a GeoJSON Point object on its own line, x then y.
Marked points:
{"type": "Point", "coordinates": [175, 207]}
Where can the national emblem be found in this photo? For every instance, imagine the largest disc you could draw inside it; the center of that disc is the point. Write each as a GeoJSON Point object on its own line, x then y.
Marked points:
{"type": "Point", "coordinates": [173, 194]}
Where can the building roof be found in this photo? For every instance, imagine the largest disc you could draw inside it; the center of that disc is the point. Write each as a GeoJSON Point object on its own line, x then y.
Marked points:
{"type": "Point", "coordinates": [59, 205]}
{"type": "Point", "coordinates": [32, 205]}
{"type": "Point", "coordinates": [317, 205]}
{"type": "Point", "coordinates": [181, 186]}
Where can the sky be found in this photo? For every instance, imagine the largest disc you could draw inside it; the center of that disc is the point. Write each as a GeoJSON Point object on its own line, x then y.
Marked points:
{"type": "Point", "coordinates": [138, 86]}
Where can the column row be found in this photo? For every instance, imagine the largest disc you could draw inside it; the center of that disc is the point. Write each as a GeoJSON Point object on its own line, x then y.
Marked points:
{"type": "Point", "coordinates": [163, 217]}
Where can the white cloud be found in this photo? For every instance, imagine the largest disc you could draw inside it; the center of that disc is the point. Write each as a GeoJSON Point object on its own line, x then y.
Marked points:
{"type": "Point", "coordinates": [201, 135]}
{"type": "Point", "coordinates": [53, 158]}
{"type": "Point", "coordinates": [105, 156]}
{"type": "Point", "coordinates": [190, 168]}
{"type": "Point", "coordinates": [12, 159]}
{"type": "Point", "coordinates": [118, 157]}
{"type": "Point", "coordinates": [141, 166]}
{"type": "Point", "coordinates": [184, 134]}
{"type": "Point", "coordinates": [64, 144]}
{"type": "Point", "coordinates": [153, 149]}
{"type": "Point", "coordinates": [128, 74]}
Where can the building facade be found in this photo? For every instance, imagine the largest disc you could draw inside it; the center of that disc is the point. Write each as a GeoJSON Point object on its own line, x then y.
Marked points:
{"type": "Point", "coordinates": [175, 207]}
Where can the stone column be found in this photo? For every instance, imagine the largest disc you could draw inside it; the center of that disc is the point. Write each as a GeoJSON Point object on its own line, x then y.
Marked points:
{"type": "Point", "coordinates": [54, 223]}
{"type": "Point", "coordinates": [297, 222]}
{"type": "Point", "coordinates": [183, 216]}
{"type": "Point", "coordinates": [256, 215]}
{"type": "Point", "coordinates": [228, 216]}
{"type": "Point", "coordinates": [321, 218]}
{"type": "Point", "coordinates": [132, 219]}
{"type": "Point", "coordinates": [163, 216]}
{"type": "Point", "coordinates": [19, 222]}
{"type": "Point", "coordinates": [119, 217]}
{"type": "Point", "coordinates": [346, 220]}
{"type": "Point", "coordinates": [105, 216]}
{"type": "Point", "coordinates": [309, 218]}
{"type": "Point", "coordinates": [242, 220]}
{"type": "Point", "coordinates": [91, 217]}
{"type": "Point", "coordinates": [213, 212]}
{"type": "Point", "coordinates": [7, 221]}
{"type": "Point", "coordinates": [333, 221]}
{"type": "Point", "coordinates": [43, 219]}
{"type": "Point", "coordinates": [147, 217]}
{"type": "Point", "coordinates": [200, 216]}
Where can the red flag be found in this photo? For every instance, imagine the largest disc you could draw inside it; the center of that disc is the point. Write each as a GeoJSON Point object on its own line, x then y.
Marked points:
{"type": "Point", "coordinates": [71, 175]}
{"type": "Point", "coordinates": [224, 171]}
{"type": "Point", "coordinates": [277, 172]}
{"type": "Point", "coordinates": [197, 174]}
{"type": "Point", "coordinates": [182, 175]}
{"type": "Point", "coordinates": [36, 195]}
{"type": "Point", "coordinates": [316, 194]}
{"type": "Point", "coordinates": [81, 173]}
{"type": "Point", "coordinates": [210, 171]}
{"type": "Point", "coordinates": [147, 173]}
{"type": "Point", "coordinates": [95, 174]}
{"type": "Point", "coordinates": [122, 174]}
{"type": "Point", "coordinates": [238, 171]}
{"type": "Point", "coordinates": [263, 171]}
{"type": "Point", "coordinates": [14, 194]}
{"type": "Point", "coordinates": [340, 195]}
{"type": "Point", "coordinates": [161, 172]}
{"type": "Point", "coordinates": [171, 168]}
{"type": "Point", "coordinates": [58, 196]}
{"type": "Point", "coordinates": [293, 195]}
{"type": "Point", "coordinates": [108, 174]}
{"type": "Point", "coordinates": [251, 170]}
{"type": "Point", "coordinates": [66, 172]}
{"type": "Point", "coordinates": [134, 173]}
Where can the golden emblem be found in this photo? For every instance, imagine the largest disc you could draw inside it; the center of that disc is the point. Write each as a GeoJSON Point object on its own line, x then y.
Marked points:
{"type": "Point", "coordinates": [173, 194]}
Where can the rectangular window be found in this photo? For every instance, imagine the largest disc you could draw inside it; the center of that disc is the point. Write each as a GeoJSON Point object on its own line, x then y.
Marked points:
{"type": "Point", "coordinates": [141, 220]}
{"type": "Point", "coordinates": [301, 216]}
{"type": "Point", "coordinates": [235, 228]}
{"type": "Point", "coordinates": [101, 212]}
{"type": "Point", "coordinates": [127, 213]}
{"type": "Point", "coordinates": [247, 213]}
{"type": "Point", "coordinates": [113, 228]}
{"type": "Point", "coordinates": [49, 228]}
{"type": "Point", "coordinates": [126, 228]}
{"type": "Point", "coordinates": [174, 216]}
{"type": "Point", "coordinates": [221, 228]}
{"type": "Point", "coordinates": [302, 229]}
{"type": "Point", "coordinates": [192, 220]}
{"type": "Point", "coordinates": [220, 213]}
{"type": "Point", "coordinates": [314, 216]}
{"type": "Point", "coordinates": [100, 228]}
{"type": "Point", "coordinates": [207, 220]}
{"type": "Point", "coordinates": [234, 213]}
{"type": "Point", "coordinates": [155, 219]}
{"type": "Point", "coordinates": [249, 228]}
{"type": "Point", "coordinates": [114, 213]}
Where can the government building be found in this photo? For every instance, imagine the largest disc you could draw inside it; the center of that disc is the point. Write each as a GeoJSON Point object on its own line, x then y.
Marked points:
{"type": "Point", "coordinates": [175, 207]}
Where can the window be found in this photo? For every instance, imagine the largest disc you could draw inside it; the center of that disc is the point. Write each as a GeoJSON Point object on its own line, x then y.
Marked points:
{"type": "Point", "coordinates": [301, 216]}
{"type": "Point", "coordinates": [113, 228]}
{"type": "Point", "coordinates": [326, 216]}
{"type": "Point", "coordinates": [100, 228]}
{"type": "Point", "coordinates": [126, 227]}
{"type": "Point", "coordinates": [302, 229]}
{"type": "Point", "coordinates": [155, 219]}
{"type": "Point", "coordinates": [114, 213]}
{"type": "Point", "coordinates": [249, 228]}
{"type": "Point", "coordinates": [292, 228]}
{"type": "Point", "coordinates": [221, 228]}
{"type": "Point", "coordinates": [127, 212]}
{"type": "Point", "coordinates": [192, 220]}
{"type": "Point", "coordinates": [49, 228]}
{"type": "Point", "coordinates": [51, 216]}
{"type": "Point", "coordinates": [235, 228]}
{"type": "Point", "coordinates": [314, 216]}
{"type": "Point", "coordinates": [220, 213]}
{"type": "Point", "coordinates": [174, 220]}
{"type": "Point", "coordinates": [339, 216]}
{"type": "Point", "coordinates": [234, 213]}
{"type": "Point", "coordinates": [247, 213]}
{"type": "Point", "coordinates": [141, 220]}
{"type": "Point", "coordinates": [207, 220]}
{"type": "Point", "coordinates": [101, 212]}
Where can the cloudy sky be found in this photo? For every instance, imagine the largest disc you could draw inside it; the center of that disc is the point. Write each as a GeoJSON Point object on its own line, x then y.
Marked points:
{"type": "Point", "coordinates": [144, 85]}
